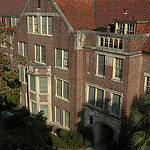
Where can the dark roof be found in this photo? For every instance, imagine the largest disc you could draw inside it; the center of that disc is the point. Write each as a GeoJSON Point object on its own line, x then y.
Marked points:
{"type": "Point", "coordinates": [11, 7]}
{"type": "Point", "coordinates": [107, 11]}
{"type": "Point", "coordinates": [79, 13]}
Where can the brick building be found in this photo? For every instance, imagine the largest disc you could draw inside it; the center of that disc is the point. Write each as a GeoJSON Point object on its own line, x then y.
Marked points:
{"type": "Point", "coordinates": [87, 60]}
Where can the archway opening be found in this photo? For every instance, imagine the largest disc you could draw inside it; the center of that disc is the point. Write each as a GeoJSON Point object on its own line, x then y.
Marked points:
{"type": "Point", "coordinates": [106, 133]}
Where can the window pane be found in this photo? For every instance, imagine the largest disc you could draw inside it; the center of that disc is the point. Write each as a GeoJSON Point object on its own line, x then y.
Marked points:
{"type": "Point", "coordinates": [67, 119]}
{"type": "Point", "coordinates": [37, 53]}
{"type": "Point", "coordinates": [43, 84]}
{"type": "Point", "coordinates": [101, 65]}
{"type": "Point", "coordinates": [43, 54]}
{"type": "Point", "coordinates": [32, 83]}
{"type": "Point", "coordinates": [22, 98]}
{"type": "Point", "coordinates": [66, 90]}
{"type": "Point", "coordinates": [58, 115]}
{"type": "Point", "coordinates": [116, 104]}
{"type": "Point", "coordinates": [20, 49]}
{"type": "Point", "coordinates": [30, 24]}
{"type": "Point", "coordinates": [59, 58]}
{"type": "Point", "coordinates": [45, 109]}
{"type": "Point", "coordinates": [34, 109]}
{"type": "Point", "coordinates": [7, 21]}
{"type": "Point", "coordinates": [91, 99]}
{"type": "Point", "coordinates": [21, 74]}
{"type": "Point", "coordinates": [59, 87]}
{"type": "Point", "coordinates": [39, 3]}
{"type": "Point", "coordinates": [25, 50]}
{"type": "Point", "coordinates": [66, 58]}
{"type": "Point", "coordinates": [44, 25]}
{"type": "Point", "coordinates": [99, 102]}
{"type": "Point", "coordinates": [35, 24]}
{"type": "Point", "coordinates": [118, 69]}
{"type": "Point", "coordinates": [50, 25]}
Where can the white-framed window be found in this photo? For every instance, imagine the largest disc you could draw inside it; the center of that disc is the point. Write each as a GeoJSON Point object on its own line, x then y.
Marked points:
{"type": "Point", "coordinates": [66, 118]}
{"type": "Point", "coordinates": [62, 89]}
{"type": "Point", "coordinates": [33, 108]}
{"type": "Point", "coordinates": [32, 83]}
{"type": "Point", "coordinates": [131, 29]}
{"type": "Point", "coordinates": [40, 25]}
{"type": "Point", "coordinates": [62, 57]}
{"type": "Point", "coordinates": [100, 65]}
{"type": "Point", "coordinates": [22, 98]}
{"type": "Point", "coordinates": [22, 48]}
{"type": "Point", "coordinates": [115, 106]}
{"type": "Point", "coordinates": [95, 97]}
{"type": "Point", "coordinates": [125, 28]}
{"type": "Point", "coordinates": [57, 114]}
{"type": "Point", "coordinates": [43, 84]}
{"type": "Point", "coordinates": [23, 77]}
{"type": "Point", "coordinates": [13, 21]}
{"type": "Point", "coordinates": [117, 68]}
{"type": "Point", "coordinates": [147, 84]}
{"type": "Point", "coordinates": [7, 21]}
{"type": "Point", "coordinates": [45, 110]}
{"type": "Point", "coordinates": [40, 54]}
{"type": "Point", "coordinates": [121, 28]}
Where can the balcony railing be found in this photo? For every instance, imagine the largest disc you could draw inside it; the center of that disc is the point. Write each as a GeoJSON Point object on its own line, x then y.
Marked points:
{"type": "Point", "coordinates": [110, 42]}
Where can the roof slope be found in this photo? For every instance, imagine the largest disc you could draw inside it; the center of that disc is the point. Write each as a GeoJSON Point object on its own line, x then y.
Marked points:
{"type": "Point", "coordinates": [12, 7]}
{"type": "Point", "coordinates": [109, 10]}
{"type": "Point", "coordinates": [79, 13]}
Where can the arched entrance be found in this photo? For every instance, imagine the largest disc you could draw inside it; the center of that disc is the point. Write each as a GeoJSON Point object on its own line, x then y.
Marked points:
{"type": "Point", "coordinates": [104, 132]}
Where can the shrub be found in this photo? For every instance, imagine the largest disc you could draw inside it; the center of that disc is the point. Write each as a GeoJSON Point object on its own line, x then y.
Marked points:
{"type": "Point", "coordinates": [26, 119]}
{"type": "Point", "coordinates": [57, 142]}
{"type": "Point", "coordinates": [72, 138]}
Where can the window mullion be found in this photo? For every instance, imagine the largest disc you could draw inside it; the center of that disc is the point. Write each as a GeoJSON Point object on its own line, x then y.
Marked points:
{"type": "Point", "coordinates": [62, 89]}
{"type": "Point", "coordinates": [62, 58]}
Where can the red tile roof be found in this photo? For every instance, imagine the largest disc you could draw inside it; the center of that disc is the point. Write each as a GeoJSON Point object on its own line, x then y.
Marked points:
{"type": "Point", "coordinates": [79, 13]}
{"type": "Point", "coordinates": [146, 47]}
{"type": "Point", "coordinates": [11, 7]}
{"type": "Point", "coordinates": [109, 10]}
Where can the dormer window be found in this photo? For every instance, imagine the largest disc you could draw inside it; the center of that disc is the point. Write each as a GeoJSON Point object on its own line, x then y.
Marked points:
{"type": "Point", "coordinates": [125, 28]}
{"type": "Point", "coordinates": [39, 4]}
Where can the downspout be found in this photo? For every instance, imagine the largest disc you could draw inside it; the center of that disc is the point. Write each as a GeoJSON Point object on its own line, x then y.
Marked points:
{"type": "Point", "coordinates": [27, 91]}
{"type": "Point", "coordinates": [95, 14]}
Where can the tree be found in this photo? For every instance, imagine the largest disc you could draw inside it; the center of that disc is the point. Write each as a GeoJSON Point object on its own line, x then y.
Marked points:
{"type": "Point", "coordinates": [9, 73]}
{"type": "Point", "coordinates": [139, 124]}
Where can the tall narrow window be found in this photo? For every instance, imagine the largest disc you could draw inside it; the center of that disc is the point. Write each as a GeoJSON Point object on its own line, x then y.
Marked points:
{"type": "Point", "coordinates": [34, 108]}
{"type": "Point", "coordinates": [91, 98]}
{"type": "Point", "coordinates": [22, 49]}
{"type": "Point", "coordinates": [116, 104]}
{"type": "Point", "coordinates": [62, 57]}
{"type": "Point", "coordinates": [39, 3]}
{"type": "Point", "coordinates": [67, 119]}
{"type": "Point", "coordinates": [100, 95]}
{"type": "Point", "coordinates": [22, 98]}
{"type": "Point", "coordinates": [30, 24]}
{"type": "Point", "coordinates": [50, 26]}
{"type": "Point", "coordinates": [32, 83]}
{"type": "Point", "coordinates": [40, 54]}
{"type": "Point", "coordinates": [118, 68]}
{"type": "Point", "coordinates": [35, 24]}
{"type": "Point", "coordinates": [62, 89]}
{"type": "Point", "coordinates": [22, 74]}
{"type": "Point", "coordinates": [121, 28]}
{"type": "Point", "coordinates": [147, 84]}
{"type": "Point", "coordinates": [44, 25]}
{"type": "Point", "coordinates": [58, 115]}
{"type": "Point", "coordinates": [101, 65]}
{"type": "Point", "coordinates": [43, 84]}
{"type": "Point", "coordinates": [96, 97]}
{"type": "Point", "coordinates": [45, 110]}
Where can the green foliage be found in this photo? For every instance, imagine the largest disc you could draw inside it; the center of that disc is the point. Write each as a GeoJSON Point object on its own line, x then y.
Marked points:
{"type": "Point", "coordinates": [38, 132]}
{"type": "Point", "coordinates": [57, 142]}
{"type": "Point", "coordinates": [139, 124]}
